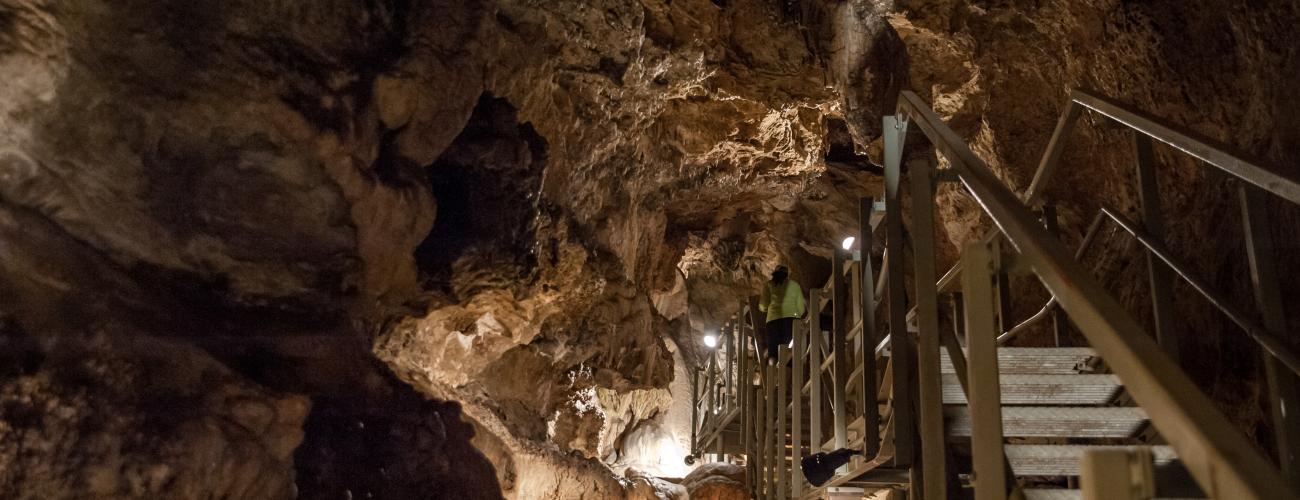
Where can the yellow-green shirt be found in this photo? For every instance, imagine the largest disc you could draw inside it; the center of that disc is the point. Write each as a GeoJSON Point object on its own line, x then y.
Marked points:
{"type": "Point", "coordinates": [782, 301]}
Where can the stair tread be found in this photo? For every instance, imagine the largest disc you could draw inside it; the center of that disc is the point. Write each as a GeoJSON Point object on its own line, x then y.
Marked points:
{"type": "Point", "coordinates": [1036, 360]}
{"type": "Point", "coordinates": [1061, 494]}
{"type": "Point", "coordinates": [1063, 460]}
{"type": "Point", "coordinates": [1068, 421]}
{"type": "Point", "coordinates": [1077, 389]}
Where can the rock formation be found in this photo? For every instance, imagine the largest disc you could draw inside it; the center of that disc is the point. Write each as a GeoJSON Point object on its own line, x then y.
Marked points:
{"type": "Point", "coordinates": [407, 248]}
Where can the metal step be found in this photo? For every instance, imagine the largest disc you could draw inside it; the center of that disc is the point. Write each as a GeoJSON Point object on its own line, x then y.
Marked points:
{"type": "Point", "coordinates": [1050, 494]}
{"type": "Point", "coordinates": [1063, 460]}
{"type": "Point", "coordinates": [1032, 421]}
{"type": "Point", "coordinates": [1078, 390]}
{"type": "Point", "coordinates": [1038, 360]}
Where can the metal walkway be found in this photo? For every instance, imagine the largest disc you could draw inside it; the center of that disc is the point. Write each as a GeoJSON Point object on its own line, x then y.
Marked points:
{"type": "Point", "coordinates": [941, 410]}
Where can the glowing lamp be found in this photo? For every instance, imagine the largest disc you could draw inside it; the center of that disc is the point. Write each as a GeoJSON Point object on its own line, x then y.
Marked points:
{"type": "Point", "coordinates": [847, 244]}
{"type": "Point", "coordinates": [711, 340]}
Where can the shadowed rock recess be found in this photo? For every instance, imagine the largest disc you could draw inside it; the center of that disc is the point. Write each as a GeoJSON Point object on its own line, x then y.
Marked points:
{"type": "Point", "coordinates": [466, 249]}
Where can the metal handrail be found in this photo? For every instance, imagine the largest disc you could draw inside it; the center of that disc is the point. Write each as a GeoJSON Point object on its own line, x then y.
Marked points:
{"type": "Point", "coordinates": [1084, 246]}
{"type": "Point", "coordinates": [1223, 463]}
{"type": "Point", "coordinates": [1257, 332]}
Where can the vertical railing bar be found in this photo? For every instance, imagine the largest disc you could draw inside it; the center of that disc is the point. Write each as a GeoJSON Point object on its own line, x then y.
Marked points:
{"type": "Point", "coordinates": [1283, 384]}
{"type": "Point", "coordinates": [782, 389]}
{"type": "Point", "coordinates": [985, 393]}
{"type": "Point", "coordinates": [1052, 156]}
{"type": "Point", "coordinates": [729, 375]}
{"type": "Point", "coordinates": [866, 348]}
{"type": "Point", "coordinates": [1052, 224]}
{"type": "Point", "coordinates": [695, 411]}
{"type": "Point", "coordinates": [814, 373]}
{"type": "Point", "coordinates": [769, 398]}
{"type": "Point", "coordinates": [927, 308]}
{"type": "Point", "coordinates": [839, 348]}
{"type": "Point", "coordinates": [1160, 278]}
{"type": "Point", "coordinates": [796, 404]}
{"type": "Point", "coordinates": [903, 356]}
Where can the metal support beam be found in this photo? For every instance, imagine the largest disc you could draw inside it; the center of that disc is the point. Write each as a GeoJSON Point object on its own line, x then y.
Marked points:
{"type": "Point", "coordinates": [796, 422]}
{"type": "Point", "coordinates": [839, 350]}
{"type": "Point", "coordinates": [814, 371]}
{"type": "Point", "coordinates": [695, 411]}
{"type": "Point", "coordinates": [927, 318]}
{"type": "Point", "coordinates": [1283, 385]}
{"type": "Point", "coordinates": [868, 338]}
{"type": "Point", "coordinates": [985, 391]}
{"type": "Point", "coordinates": [782, 392]}
{"type": "Point", "coordinates": [748, 410]}
{"type": "Point", "coordinates": [1052, 157]}
{"type": "Point", "coordinates": [1052, 224]}
{"type": "Point", "coordinates": [1161, 279]}
{"type": "Point", "coordinates": [770, 431]}
{"type": "Point", "coordinates": [903, 356]}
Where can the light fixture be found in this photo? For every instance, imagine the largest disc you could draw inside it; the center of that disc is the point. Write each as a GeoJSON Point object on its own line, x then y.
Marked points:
{"type": "Point", "coordinates": [711, 340]}
{"type": "Point", "coordinates": [847, 244]}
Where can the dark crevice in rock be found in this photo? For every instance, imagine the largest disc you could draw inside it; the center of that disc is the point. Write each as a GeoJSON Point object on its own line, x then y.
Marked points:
{"type": "Point", "coordinates": [486, 185]}
{"type": "Point", "coordinates": [391, 444]}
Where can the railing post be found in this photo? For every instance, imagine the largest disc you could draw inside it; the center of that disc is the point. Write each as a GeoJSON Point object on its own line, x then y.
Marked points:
{"type": "Point", "coordinates": [1053, 227]}
{"type": "Point", "coordinates": [867, 348]}
{"type": "Point", "coordinates": [814, 371]}
{"type": "Point", "coordinates": [927, 316]}
{"type": "Point", "coordinates": [769, 437]}
{"type": "Point", "coordinates": [748, 408]}
{"type": "Point", "coordinates": [695, 411]}
{"type": "Point", "coordinates": [839, 350]}
{"type": "Point", "coordinates": [1160, 277]}
{"type": "Point", "coordinates": [782, 390]}
{"type": "Point", "coordinates": [903, 355]}
{"type": "Point", "coordinates": [985, 398]}
{"type": "Point", "coordinates": [796, 404]}
{"type": "Point", "coordinates": [729, 370]}
{"type": "Point", "coordinates": [1283, 385]}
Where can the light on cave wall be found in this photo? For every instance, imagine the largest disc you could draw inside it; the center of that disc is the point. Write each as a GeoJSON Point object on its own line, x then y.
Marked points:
{"type": "Point", "coordinates": [710, 340]}
{"type": "Point", "coordinates": [847, 244]}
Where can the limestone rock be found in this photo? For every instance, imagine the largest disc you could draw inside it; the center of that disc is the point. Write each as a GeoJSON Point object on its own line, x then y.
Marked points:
{"type": "Point", "coordinates": [716, 481]}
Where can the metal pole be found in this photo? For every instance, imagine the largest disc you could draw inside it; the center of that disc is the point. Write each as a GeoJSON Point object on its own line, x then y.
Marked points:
{"type": "Point", "coordinates": [1283, 385]}
{"type": "Point", "coordinates": [796, 424]}
{"type": "Point", "coordinates": [903, 356]}
{"type": "Point", "coordinates": [985, 392]}
{"type": "Point", "coordinates": [927, 316]}
{"type": "Point", "coordinates": [815, 371]}
{"type": "Point", "coordinates": [839, 350]}
{"type": "Point", "coordinates": [866, 348]}
{"type": "Point", "coordinates": [1159, 276]}
{"type": "Point", "coordinates": [1050, 222]}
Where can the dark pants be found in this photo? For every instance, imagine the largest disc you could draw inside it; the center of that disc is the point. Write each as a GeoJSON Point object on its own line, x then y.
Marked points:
{"type": "Point", "coordinates": [779, 333]}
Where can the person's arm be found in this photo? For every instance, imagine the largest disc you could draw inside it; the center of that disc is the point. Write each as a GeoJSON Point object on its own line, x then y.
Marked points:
{"type": "Point", "coordinates": [766, 297]}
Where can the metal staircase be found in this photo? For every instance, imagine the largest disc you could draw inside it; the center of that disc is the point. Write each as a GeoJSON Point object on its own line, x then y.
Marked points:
{"type": "Point", "coordinates": [942, 410]}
